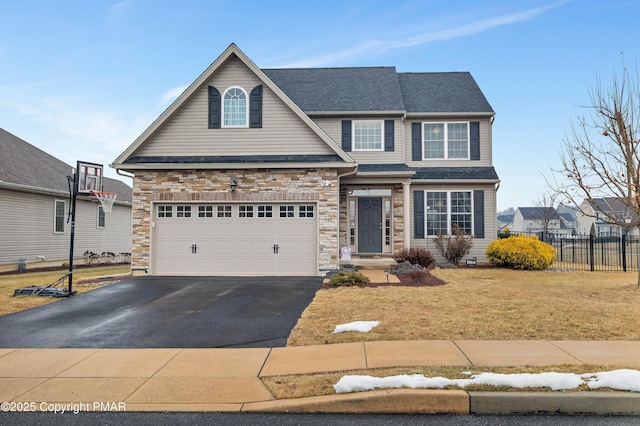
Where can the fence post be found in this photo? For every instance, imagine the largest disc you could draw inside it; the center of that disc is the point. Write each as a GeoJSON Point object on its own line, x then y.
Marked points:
{"type": "Point", "coordinates": [624, 252]}
{"type": "Point", "coordinates": [591, 251]}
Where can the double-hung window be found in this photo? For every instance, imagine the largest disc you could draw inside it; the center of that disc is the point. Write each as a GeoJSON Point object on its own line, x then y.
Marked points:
{"type": "Point", "coordinates": [368, 135]}
{"type": "Point", "coordinates": [446, 209]}
{"type": "Point", "coordinates": [101, 217]}
{"type": "Point", "coordinates": [234, 108]}
{"type": "Point", "coordinates": [445, 140]}
{"type": "Point", "coordinates": [58, 223]}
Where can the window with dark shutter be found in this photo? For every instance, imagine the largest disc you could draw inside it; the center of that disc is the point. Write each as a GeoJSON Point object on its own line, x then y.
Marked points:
{"type": "Point", "coordinates": [418, 213]}
{"type": "Point", "coordinates": [214, 108]}
{"type": "Point", "coordinates": [255, 108]}
{"type": "Point", "coordinates": [474, 133]}
{"type": "Point", "coordinates": [346, 135]}
{"type": "Point", "coordinates": [478, 213]}
{"type": "Point", "coordinates": [389, 136]}
{"type": "Point", "coordinates": [416, 141]}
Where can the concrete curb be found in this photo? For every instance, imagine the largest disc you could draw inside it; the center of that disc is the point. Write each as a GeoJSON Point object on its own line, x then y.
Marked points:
{"type": "Point", "coordinates": [584, 402]}
{"type": "Point", "coordinates": [423, 401]}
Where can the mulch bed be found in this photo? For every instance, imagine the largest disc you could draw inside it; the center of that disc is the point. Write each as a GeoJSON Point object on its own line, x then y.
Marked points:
{"type": "Point", "coordinates": [405, 281]}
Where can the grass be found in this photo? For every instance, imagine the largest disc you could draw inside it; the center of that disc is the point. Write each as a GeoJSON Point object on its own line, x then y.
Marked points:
{"type": "Point", "coordinates": [481, 304]}
{"type": "Point", "coordinates": [475, 304]}
{"type": "Point", "coordinates": [8, 283]}
{"type": "Point", "coordinates": [301, 386]}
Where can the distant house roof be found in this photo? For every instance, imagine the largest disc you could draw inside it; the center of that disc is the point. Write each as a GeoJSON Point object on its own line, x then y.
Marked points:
{"type": "Point", "coordinates": [505, 218]}
{"type": "Point", "coordinates": [360, 89]}
{"type": "Point", "coordinates": [538, 213]}
{"type": "Point", "coordinates": [568, 217]}
{"type": "Point", "coordinates": [613, 206]}
{"type": "Point", "coordinates": [23, 164]}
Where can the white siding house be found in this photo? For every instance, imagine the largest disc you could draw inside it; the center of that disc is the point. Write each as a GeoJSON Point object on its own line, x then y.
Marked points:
{"type": "Point", "coordinates": [34, 208]}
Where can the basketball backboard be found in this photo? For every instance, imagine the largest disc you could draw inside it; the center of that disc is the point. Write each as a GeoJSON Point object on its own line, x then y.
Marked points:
{"type": "Point", "coordinates": [89, 177]}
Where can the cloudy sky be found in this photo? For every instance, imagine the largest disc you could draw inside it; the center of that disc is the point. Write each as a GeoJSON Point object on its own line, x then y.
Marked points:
{"type": "Point", "coordinates": [82, 79]}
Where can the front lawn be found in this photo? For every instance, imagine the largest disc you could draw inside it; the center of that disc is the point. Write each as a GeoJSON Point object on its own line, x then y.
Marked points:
{"type": "Point", "coordinates": [481, 304]}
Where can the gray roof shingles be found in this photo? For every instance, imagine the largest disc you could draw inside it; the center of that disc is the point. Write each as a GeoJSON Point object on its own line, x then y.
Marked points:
{"type": "Point", "coordinates": [377, 89]}
{"type": "Point", "coordinates": [442, 92]}
{"type": "Point", "coordinates": [340, 89]}
{"type": "Point", "coordinates": [24, 164]}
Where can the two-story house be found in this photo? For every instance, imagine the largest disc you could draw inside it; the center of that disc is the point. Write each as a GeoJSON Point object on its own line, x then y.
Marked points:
{"type": "Point", "coordinates": [273, 171]}
{"type": "Point", "coordinates": [606, 217]}
{"type": "Point", "coordinates": [537, 219]}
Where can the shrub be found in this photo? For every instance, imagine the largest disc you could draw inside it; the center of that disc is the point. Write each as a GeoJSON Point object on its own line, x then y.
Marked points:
{"type": "Point", "coordinates": [415, 255]}
{"type": "Point", "coordinates": [454, 246]}
{"type": "Point", "coordinates": [521, 252]}
{"type": "Point", "coordinates": [348, 279]}
{"type": "Point", "coordinates": [418, 277]}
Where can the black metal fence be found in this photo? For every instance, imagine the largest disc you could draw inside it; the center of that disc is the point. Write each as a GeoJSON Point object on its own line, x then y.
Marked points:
{"type": "Point", "coordinates": [602, 252]}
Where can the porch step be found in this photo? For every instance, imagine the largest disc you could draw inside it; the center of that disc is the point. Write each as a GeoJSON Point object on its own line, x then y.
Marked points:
{"type": "Point", "coordinates": [378, 262]}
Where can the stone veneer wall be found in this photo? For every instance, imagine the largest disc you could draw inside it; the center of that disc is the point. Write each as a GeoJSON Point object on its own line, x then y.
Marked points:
{"type": "Point", "coordinates": [253, 186]}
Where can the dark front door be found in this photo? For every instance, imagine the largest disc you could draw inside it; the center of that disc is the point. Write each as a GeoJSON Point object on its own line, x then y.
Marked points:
{"type": "Point", "coordinates": [369, 225]}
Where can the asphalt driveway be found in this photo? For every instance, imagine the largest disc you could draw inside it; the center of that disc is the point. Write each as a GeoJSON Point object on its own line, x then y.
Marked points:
{"type": "Point", "coordinates": [167, 312]}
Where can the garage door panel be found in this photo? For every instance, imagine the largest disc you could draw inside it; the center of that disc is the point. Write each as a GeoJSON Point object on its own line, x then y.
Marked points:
{"type": "Point", "coordinates": [237, 245]}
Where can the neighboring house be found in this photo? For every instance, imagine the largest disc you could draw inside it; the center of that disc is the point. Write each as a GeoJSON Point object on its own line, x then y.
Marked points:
{"type": "Point", "coordinates": [34, 206]}
{"type": "Point", "coordinates": [276, 171]}
{"type": "Point", "coordinates": [537, 219]}
{"type": "Point", "coordinates": [599, 214]}
{"type": "Point", "coordinates": [568, 222]}
{"type": "Point", "coordinates": [505, 221]}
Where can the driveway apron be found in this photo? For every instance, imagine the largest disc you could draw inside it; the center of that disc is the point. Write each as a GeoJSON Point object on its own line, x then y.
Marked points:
{"type": "Point", "coordinates": [167, 312]}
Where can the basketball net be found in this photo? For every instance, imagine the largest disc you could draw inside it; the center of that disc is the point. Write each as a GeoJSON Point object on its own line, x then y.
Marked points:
{"type": "Point", "coordinates": [106, 199]}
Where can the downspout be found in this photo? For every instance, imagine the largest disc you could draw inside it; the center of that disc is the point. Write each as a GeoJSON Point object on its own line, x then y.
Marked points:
{"type": "Point", "coordinates": [353, 172]}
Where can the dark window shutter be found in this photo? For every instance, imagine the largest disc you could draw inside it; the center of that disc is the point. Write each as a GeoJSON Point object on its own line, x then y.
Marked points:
{"type": "Point", "coordinates": [214, 108]}
{"type": "Point", "coordinates": [416, 141]}
{"type": "Point", "coordinates": [474, 132]}
{"type": "Point", "coordinates": [346, 135]}
{"type": "Point", "coordinates": [255, 108]}
{"type": "Point", "coordinates": [418, 214]}
{"type": "Point", "coordinates": [388, 136]}
{"type": "Point", "coordinates": [478, 213]}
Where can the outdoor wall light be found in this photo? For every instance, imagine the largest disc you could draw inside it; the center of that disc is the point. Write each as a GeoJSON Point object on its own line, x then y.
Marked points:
{"type": "Point", "coordinates": [234, 184]}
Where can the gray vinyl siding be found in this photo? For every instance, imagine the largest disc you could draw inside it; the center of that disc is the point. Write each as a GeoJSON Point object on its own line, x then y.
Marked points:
{"type": "Point", "coordinates": [187, 132]}
{"type": "Point", "coordinates": [490, 224]}
{"type": "Point", "coordinates": [27, 229]}
{"type": "Point", "coordinates": [485, 145]}
{"type": "Point", "coordinates": [333, 128]}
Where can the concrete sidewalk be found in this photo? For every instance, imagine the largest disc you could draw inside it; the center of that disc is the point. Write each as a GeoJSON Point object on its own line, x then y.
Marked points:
{"type": "Point", "coordinates": [229, 379]}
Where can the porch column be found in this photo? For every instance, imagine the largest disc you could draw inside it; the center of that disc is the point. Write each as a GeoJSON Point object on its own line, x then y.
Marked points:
{"type": "Point", "coordinates": [406, 212]}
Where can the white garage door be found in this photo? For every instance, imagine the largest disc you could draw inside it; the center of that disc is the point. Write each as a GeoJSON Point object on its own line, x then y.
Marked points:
{"type": "Point", "coordinates": [234, 239]}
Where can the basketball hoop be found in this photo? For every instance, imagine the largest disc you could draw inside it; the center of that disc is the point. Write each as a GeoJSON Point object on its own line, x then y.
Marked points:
{"type": "Point", "coordinates": [106, 199]}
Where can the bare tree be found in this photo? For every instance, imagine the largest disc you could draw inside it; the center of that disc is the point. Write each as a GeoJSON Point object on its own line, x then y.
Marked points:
{"type": "Point", "coordinates": [546, 213]}
{"type": "Point", "coordinates": [600, 156]}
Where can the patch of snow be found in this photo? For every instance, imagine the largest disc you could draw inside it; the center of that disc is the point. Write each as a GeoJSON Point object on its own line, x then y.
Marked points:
{"type": "Point", "coordinates": [361, 326]}
{"type": "Point", "coordinates": [628, 380]}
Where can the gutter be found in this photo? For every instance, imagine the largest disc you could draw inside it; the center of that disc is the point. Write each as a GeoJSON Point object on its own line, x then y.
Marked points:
{"type": "Point", "coordinates": [353, 172]}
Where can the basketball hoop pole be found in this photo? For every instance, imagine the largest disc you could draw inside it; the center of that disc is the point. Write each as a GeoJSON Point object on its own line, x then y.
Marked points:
{"type": "Point", "coordinates": [74, 195]}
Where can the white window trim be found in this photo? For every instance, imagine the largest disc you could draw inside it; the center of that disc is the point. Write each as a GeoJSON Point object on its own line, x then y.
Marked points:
{"type": "Point", "coordinates": [98, 217]}
{"type": "Point", "coordinates": [353, 136]}
{"type": "Point", "coordinates": [426, 211]}
{"type": "Point", "coordinates": [246, 118]}
{"type": "Point", "coordinates": [446, 140]}
{"type": "Point", "coordinates": [55, 209]}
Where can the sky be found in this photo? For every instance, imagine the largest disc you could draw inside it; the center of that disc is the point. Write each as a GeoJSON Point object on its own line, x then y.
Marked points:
{"type": "Point", "coordinates": [82, 80]}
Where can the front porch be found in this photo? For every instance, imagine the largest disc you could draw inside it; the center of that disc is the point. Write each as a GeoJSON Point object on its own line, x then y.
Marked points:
{"type": "Point", "coordinates": [382, 262]}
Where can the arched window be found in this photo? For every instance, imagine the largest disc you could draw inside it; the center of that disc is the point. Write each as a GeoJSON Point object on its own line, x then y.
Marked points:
{"type": "Point", "coordinates": [234, 108]}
